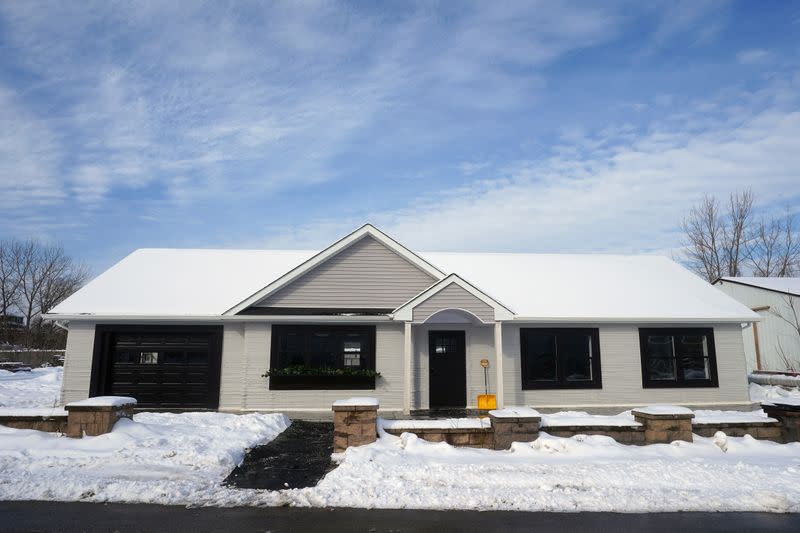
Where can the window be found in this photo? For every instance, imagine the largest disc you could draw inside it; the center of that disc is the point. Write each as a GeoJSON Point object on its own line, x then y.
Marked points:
{"type": "Point", "coordinates": [560, 358]}
{"type": "Point", "coordinates": [445, 344]}
{"type": "Point", "coordinates": [678, 357]}
{"type": "Point", "coordinates": [342, 351]}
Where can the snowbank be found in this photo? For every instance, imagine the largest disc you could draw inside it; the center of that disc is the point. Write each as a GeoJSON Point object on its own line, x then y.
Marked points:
{"type": "Point", "coordinates": [163, 458]}
{"type": "Point", "coordinates": [760, 393]}
{"type": "Point", "coordinates": [41, 387]}
{"type": "Point", "coordinates": [441, 423]}
{"type": "Point", "coordinates": [581, 418]}
{"type": "Point", "coordinates": [582, 473]}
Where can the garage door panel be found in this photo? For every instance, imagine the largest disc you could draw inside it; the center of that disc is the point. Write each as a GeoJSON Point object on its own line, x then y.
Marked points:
{"type": "Point", "coordinates": [167, 367]}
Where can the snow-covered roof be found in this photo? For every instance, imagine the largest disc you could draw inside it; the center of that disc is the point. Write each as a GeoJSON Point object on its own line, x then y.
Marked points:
{"type": "Point", "coordinates": [787, 285]}
{"type": "Point", "coordinates": [180, 282]}
{"type": "Point", "coordinates": [592, 287]}
{"type": "Point", "coordinates": [543, 287]}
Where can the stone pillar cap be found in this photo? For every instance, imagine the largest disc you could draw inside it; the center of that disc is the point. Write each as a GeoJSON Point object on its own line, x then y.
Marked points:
{"type": "Point", "coordinates": [357, 403]}
{"type": "Point", "coordinates": [514, 412]}
{"type": "Point", "coordinates": [102, 401]}
{"type": "Point", "coordinates": [663, 411]}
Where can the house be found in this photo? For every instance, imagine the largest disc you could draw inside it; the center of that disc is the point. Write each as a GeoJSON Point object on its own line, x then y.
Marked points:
{"type": "Point", "coordinates": [243, 330]}
{"type": "Point", "coordinates": [774, 342]}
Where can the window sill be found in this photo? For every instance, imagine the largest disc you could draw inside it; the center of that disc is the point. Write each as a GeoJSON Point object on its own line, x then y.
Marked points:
{"type": "Point", "coordinates": [561, 386]}
{"type": "Point", "coordinates": [680, 385]}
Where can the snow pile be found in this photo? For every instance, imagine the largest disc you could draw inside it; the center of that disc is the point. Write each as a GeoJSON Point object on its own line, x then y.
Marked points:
{"type": "Point", "coordinates": [41, 387]}
{"type": "Point", "coordinates": [164, 458]}
{"type": "Point", "coordinates": [440, 423]}
{"type": "Point", "coordinates": [761, 393]}
{"type": "Point", "coordinates": [104, 401]}
{"type": "Point", "coordinates": [730, 417]}
{"type": "Point", "coordinates": [581, 473]}
{"type": "Point", "coordinates": [581, 418]}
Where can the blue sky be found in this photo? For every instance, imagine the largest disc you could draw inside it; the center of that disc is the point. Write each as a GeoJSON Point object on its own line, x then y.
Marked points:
{"type": "Point", "coordinates": [531, 126]}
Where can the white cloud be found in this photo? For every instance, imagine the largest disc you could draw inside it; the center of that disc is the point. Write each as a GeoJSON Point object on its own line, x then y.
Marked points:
{"type": "Point", "coordinates": [752, 55]}
{"type": "Point", "coordinates": [29, 157]}
{"type": "Point", "coordinates": [612, 193]}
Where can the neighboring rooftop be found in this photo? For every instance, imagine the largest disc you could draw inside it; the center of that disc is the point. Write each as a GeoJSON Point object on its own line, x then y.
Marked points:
{"type": "Point", "coordinates": [785, 285]}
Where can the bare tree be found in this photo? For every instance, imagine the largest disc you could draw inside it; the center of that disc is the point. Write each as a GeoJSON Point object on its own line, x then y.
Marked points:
{"type": "Point", "coordinates": [47, 276]}
{"type": "Point", "coordinates": [715, 241]}
{"type": "Point", "coordinates": [790, 314]}
{"type": "Point", "coordinates": [9, 284]}
{"type": "Point", "coordinates": [774, 247]}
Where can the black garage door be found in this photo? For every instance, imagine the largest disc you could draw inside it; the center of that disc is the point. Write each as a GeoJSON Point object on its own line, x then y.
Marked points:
{"type": "Point", "coordinates": [162, 367]}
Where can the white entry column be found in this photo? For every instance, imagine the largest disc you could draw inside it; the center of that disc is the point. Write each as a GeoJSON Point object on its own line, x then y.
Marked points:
{"type": "Point", "coordinates": [407, 351]}
{"type": "Point", "coordinates": [498, 355]}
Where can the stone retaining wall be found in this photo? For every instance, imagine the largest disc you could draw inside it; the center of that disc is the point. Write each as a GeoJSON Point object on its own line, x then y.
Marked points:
{"type": "Point", "coordinates": [621, 434]}
{"type": "Point", "coordinates": [757, 430]}
{"type": "Point", "coordinates": [91, 417]}
{"type": "Point", "coordinates": [51, 424]}
{"type": "Point", "coordinates": [469, 437]}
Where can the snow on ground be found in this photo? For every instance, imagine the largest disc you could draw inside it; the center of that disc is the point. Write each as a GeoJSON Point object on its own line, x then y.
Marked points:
{"type": "Point", "coordinates": [760, 393]}
{"type": "Point", "coordinates": [41, 387]}
{"type": "Point", "coordinates": [586, 473]}
{"type": "Point", "coordinates": [164, 458]}
{"type": "Point", "coordinates": [730, 417]}
{"type": "Point", "coordinates": [581, 418]}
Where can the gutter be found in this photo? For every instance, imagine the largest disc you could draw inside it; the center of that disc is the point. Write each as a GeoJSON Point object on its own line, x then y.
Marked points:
{"type": "Point", "coordinates": [214, 318]}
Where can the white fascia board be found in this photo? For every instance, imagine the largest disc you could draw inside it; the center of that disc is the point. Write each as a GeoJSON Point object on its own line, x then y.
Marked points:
{"type": "Point", "coordinates": [636, 320]}
{"type": "Point", "coordinates": [330, 251]}
{"type": "Point", "coordinates": [221, 318]}
{"type": "Point", "coordinates": [405, 311]}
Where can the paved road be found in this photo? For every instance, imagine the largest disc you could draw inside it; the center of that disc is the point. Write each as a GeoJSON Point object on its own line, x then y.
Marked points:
{"type": "Point", "coordinates": [36, 516]}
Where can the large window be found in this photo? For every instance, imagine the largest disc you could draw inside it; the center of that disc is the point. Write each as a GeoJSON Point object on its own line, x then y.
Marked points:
{"type": "Point", "coordinates": [560, 358]}
{"type": "Point", "coordinates": [678, 357]}
{"type": "Point", "coordinates": [322, 357]}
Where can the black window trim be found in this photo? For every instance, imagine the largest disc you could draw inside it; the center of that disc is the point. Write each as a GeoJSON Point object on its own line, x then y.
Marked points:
{"type": "Point", "coordinates": [324, 383]}
{"type": "Point", "coordinates": [680, 382]}
{"type": "Point", "coordinates": [597, 377]}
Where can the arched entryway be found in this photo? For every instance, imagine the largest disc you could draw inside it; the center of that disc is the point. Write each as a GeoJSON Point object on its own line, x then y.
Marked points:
{"type": "Point", "coordinates": [447, 363]}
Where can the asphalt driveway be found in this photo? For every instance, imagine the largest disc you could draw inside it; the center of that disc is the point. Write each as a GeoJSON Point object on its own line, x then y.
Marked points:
{"type": "Point", "coordinates": [47, 516]}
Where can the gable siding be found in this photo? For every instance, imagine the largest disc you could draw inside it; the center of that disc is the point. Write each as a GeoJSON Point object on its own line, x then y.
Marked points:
{"type": "Point", "coordinates": [453, 297]}
{"type": "Point", "coordinates": [365, 275]}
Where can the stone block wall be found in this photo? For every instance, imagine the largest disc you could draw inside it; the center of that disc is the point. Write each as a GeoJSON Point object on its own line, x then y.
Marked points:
{"type": "Point", "coordinates": [92, 420]}
{"type": "Point", "coordinates": [468, 437]}
{"type": "Point", "coordinates": [665, 427]}
{"type": "Point", "coordinates": [354, 425]}
{"type": "Point", "coordinates": [789, 418]}
{"type": "Point", "coordinates": [51, 424]}
{"type": "Point", "coordinates": [509, 428]}
{"type": "Point", "coordinates": [762, 430]}
{"type": "Point", "coordinates": [621, 434]}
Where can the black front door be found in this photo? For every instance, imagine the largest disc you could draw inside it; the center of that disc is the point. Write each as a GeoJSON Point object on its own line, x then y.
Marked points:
{"type": "Point", "coordinates": [448, 369]}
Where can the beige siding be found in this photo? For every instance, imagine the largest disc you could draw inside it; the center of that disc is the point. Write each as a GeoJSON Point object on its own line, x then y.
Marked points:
{"type": "Point", "coordinates": [257, 396]}
{"type": "Point", "coordinates": [775, 335]}
{"type": "Point", "coordinates": [622, 377]}
{"type": "Point", "coordinates": [365, 275]}
{"type": "Point", "coordinates": [453, 297]}
{"type": "Point", "coordinates": [234, 371]}
{"type": "Point", "coordinates": [78, 362]}
{"type": "Point", "coordinates": [480, 345]}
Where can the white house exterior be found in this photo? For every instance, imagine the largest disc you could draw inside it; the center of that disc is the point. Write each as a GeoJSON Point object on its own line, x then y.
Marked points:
{"type": "Point", "coordinates": [773, 343]}
{"type": "Point", "coordinates": [199, 329]}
